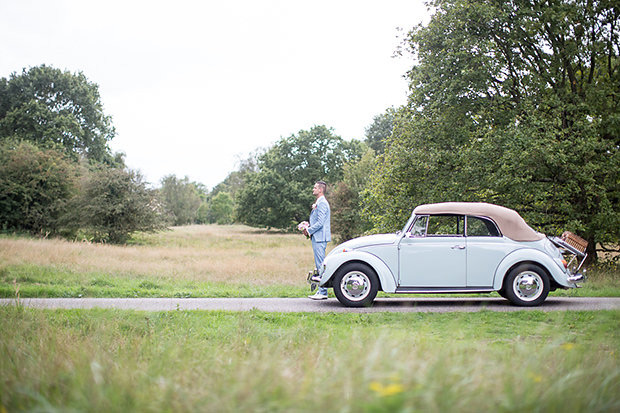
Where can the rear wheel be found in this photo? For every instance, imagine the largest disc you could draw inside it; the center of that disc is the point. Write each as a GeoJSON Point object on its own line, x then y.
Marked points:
{"type": "Point", "coordinates": [356, 285]}
{"type": "Point", "coordinates": [526, 285]}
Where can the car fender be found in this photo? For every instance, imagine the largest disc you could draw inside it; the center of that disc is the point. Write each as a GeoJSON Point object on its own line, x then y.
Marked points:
{"type": "Point", "coordinates": [524, 255]}
{"type": "Point", "coordinates": [333, 262]}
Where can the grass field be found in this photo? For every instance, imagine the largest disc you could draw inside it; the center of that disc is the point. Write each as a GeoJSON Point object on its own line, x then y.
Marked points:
{"type": "Point", "coordinates": [119, 361]}
{"type": "Point", "coordinates": [178, 361]}
{"type": "Point", "coordinates": [193, 261]}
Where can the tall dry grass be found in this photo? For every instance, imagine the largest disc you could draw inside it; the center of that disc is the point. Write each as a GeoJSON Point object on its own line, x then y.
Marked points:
{"type": "Point", "coordinates": [214, 253]}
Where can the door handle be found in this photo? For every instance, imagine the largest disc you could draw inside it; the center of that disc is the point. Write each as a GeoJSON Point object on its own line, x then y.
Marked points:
{"type": "Point", "coordinates": [458, 247]}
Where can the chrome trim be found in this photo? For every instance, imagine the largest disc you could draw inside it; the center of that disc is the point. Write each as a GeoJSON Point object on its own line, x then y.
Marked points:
{"type": "Point", "coordinates": [576, 278]}
{"type": "Point", "coordinates": [442, 290]}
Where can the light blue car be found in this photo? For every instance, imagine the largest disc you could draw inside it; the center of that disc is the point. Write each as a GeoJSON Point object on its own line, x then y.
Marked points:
{"type": "Point", "coordinates": [456, 247]}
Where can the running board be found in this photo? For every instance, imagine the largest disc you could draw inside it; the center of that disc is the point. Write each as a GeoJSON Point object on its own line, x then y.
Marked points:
{"type": "Point", "coordinates": [442, 290]}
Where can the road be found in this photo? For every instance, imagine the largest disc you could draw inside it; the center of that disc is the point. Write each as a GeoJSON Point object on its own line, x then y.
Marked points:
{"type": "Point", "coordinates": [286, 305]}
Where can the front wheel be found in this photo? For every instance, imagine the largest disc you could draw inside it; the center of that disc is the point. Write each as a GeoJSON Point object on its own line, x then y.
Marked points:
{"type": "Point", "coordinates": [356, 285]}
{"type": "Point", "coordinates": [527, 285]}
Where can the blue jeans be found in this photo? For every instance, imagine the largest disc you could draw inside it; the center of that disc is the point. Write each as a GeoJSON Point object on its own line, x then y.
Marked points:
{"type": "Point", "coordinates": [318, 248]}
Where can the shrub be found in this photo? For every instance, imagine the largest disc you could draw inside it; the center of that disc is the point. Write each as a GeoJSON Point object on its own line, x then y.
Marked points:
{"type": "Point", "coordinates": [35, 186]}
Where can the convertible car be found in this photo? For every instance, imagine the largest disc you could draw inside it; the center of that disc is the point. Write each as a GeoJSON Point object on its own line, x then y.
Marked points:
{"type": "Point", "coordinates": [456, 247]}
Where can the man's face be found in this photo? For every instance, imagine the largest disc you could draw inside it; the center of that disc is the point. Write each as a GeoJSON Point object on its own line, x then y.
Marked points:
{"type": "Point", "coordinates": [317, 190]}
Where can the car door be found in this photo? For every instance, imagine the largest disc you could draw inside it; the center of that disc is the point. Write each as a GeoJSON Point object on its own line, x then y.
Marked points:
{"type": "Point", "coordinates": [433, 253]}
{"type": "Point", "coordinates": [486, 248]}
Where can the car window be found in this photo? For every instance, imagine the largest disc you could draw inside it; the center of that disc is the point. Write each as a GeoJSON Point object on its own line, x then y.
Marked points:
{"type": "Point", "coordinates": [446, 225]}
{"type": "Point", "coordinates": [481, 227]}
{"type": "Point", "coordinates": [419, 228]}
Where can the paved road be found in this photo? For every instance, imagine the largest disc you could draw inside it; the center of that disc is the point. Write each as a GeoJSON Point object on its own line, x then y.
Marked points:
{"type": "Point", "coordinates": [402, 305]}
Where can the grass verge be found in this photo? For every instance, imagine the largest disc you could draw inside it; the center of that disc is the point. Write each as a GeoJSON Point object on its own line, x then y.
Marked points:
{"type": "Point", "coordinates": [108, 360]}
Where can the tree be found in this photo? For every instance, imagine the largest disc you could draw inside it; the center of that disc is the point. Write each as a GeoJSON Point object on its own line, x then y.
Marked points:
{"type": "Point", "coordinates": [380, 130]}
{"type": "Point", "coordinates": [48, 106]}
{"type": "Point", "coordinates": [346, 200]}
{"type": "Point", "coordinates": [221, 209]}
{"type": "Point", "coordinates": [181, 198]}
{"type": "Point", "coordinates": [35, 186]}
{"type": "Point", "coordinates": [514, 102]}
{"type": "Point", "coordinates": [279, 195]}
{"type": "Point", "coordinates": [113, 203]}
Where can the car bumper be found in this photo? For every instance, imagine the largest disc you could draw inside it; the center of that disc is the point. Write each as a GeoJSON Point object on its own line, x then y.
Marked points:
{"type": "Point", "coordinates": [576, 278]}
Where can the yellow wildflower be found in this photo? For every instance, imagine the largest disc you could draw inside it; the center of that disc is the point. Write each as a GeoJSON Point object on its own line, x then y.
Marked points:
{"type": "Point", "coordinates": [384, 391]}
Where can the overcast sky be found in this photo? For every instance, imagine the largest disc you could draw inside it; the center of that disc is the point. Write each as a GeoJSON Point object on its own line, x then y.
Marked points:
{"type": "Point", "coordinates": [194, 86]}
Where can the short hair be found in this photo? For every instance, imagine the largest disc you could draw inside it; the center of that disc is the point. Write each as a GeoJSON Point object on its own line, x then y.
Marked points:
{"type": "Point", "coordinates": [323, 185]}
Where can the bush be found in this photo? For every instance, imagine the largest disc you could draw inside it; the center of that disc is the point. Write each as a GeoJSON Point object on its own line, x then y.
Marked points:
{"type": "Point", "coordinates": [113, 203]}
{"type": "Point", "coordinates": [35, 186]}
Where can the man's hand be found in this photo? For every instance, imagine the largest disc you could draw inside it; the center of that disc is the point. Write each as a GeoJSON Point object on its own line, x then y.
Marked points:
{"type": "Point", "coordinates": [305, 232]}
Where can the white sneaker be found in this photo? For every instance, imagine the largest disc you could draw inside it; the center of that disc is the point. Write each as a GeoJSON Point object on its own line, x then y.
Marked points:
{"type": "Point", "coordinates": [318, 296]}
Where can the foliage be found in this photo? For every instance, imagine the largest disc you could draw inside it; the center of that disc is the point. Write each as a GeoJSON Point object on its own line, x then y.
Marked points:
{"type": "Point", "coordinates": [181, 199]}
{"type": "Point", "coordinates": [346, 201]}
{"type": "Point", "coordinates": [512, 102]}
{"type": "Point", "coordinates": [48, 106]}
{"type": "Point", "coordinates": [380, 130]}
{"type": "Point", "coordinates": [113, 203]}
{"type": "Point", "coordinates": [35, 185]}
{"type": "Point", "coordinates": [279, 195]}
{"type": "Point", "coordinates": [43, 113]}
{"type": "Point", "coordinates": [221, 209]}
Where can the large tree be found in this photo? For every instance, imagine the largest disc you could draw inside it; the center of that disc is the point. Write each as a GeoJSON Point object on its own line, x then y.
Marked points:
{"type": "Point", "coordinates": [49, 106]}
{"type": "Point", "coordinates": [279, 194]}
{"type": "Point", "coordinates": [515, 102]}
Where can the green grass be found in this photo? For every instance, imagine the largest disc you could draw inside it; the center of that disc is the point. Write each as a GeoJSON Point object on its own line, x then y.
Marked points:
{"type": "Point", "coordinates": [51, 282]}
{"type": "Point", "coordinates": [106, 360]}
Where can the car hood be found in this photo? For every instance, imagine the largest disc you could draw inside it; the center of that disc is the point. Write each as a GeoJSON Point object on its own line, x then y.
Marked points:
{"type": "Point", "coordinates": [378, 239]}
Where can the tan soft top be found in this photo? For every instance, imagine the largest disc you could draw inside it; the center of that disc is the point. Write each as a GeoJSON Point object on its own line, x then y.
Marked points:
{"type": "Point", "coordinates": [509, 221]}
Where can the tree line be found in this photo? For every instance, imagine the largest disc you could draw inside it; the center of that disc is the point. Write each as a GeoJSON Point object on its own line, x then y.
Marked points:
{"type": "Point", "coordinates": [512, 102]}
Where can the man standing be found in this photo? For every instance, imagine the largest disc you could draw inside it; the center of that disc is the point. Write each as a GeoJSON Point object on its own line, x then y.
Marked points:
{"type": "Point", "coordinates": [319, 231]}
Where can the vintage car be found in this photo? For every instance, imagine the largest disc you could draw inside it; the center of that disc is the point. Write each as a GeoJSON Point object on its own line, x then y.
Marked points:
{"type": "Point", "coordinates": [455, 247]}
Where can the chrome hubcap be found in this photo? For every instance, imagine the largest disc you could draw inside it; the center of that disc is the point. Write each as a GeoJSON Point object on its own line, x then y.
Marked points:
{"type": "Point", "coordinates": [528, 285]}
{"type": "Point", "coordinates": [355, 285]}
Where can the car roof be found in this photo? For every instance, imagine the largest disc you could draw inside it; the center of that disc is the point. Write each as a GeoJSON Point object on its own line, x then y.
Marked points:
{"type": "Point", "coordinates": [509, 221]}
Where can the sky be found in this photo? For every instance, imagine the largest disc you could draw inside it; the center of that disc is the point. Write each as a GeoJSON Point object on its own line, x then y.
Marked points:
{"type": "Point", "coordinates": [193, 87]}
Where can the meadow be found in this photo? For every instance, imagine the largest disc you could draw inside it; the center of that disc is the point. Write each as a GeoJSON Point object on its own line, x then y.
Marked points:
{"type": "Point", "coordinates": [185, 361]}
{"type": "Point", "coordinates": [192, 261]}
